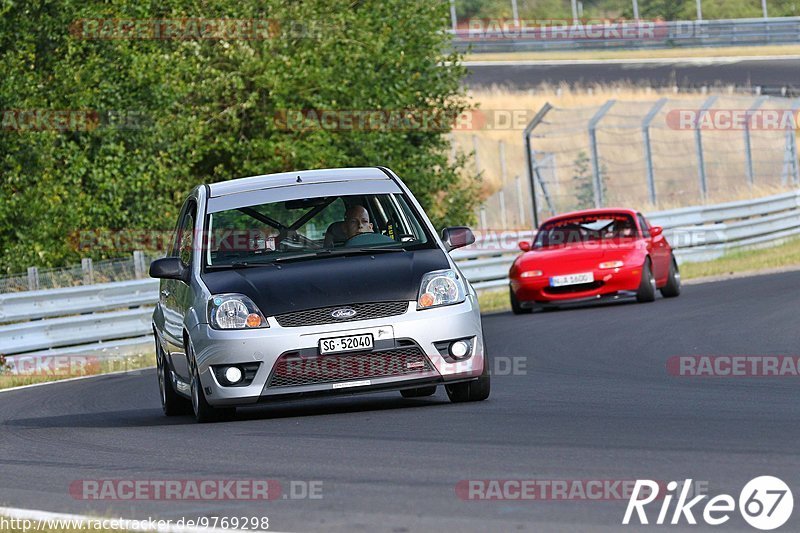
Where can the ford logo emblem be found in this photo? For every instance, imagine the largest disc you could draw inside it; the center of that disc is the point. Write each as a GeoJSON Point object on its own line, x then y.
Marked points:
{"type": "Point", "coordinates": [344, 312]}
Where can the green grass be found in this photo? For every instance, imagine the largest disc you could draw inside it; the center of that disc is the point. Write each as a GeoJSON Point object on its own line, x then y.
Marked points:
{"type": "Point", "coordinates": [10, 378]}
{"type": "Point", "coordinates": [740, 262]}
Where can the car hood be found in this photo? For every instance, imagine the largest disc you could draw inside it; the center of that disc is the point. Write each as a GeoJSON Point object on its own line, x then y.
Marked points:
{"type": "Point", "coordinates": [330, 281]}
{"type": "Point", "coordinates": [578, 253]}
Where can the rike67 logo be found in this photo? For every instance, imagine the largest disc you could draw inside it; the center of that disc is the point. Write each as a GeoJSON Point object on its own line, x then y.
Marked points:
{"type": "Point", "coordinates": [765, 503]}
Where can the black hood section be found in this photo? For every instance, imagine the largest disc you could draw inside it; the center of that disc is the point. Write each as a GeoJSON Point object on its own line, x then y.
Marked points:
{"type": "Point", "coordinates": [323, 282]}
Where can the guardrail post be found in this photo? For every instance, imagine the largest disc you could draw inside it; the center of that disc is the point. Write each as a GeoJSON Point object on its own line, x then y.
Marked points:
{"type": "Point", "coordinates": [88, 271]}
{"type": "Point", "coordinates": [33, 279]}
{"type": "Point", "coordinates": [598, 178]}
{"type": "Point", "coordinates": [698, 139]}
{"type": "Point", "coordinates": [533, 168]}
{"type": "Point", "coordinates": [138, 264]}
{"type": "Point", "coordinates": [648, 153]}
{"type": "Point", "coordinates": [748, 152]}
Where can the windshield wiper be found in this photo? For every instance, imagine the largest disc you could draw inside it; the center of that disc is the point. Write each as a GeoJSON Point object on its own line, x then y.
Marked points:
{"type": "Point", "coordinates": [338, 252]}
{"type": "Point", "coordinates": [238, 264]}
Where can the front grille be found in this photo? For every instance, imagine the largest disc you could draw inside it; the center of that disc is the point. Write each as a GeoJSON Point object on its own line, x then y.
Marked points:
{"type": "Point", "coordinates": [322, 315]}
{"type": "Point", "coordinates": [293, 371]}
{"type": "Point", "coordinates": [574, 288]}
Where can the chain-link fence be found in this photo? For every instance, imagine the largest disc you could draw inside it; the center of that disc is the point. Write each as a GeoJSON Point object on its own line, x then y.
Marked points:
{"type": "Point", "coordinates": [649, 155]}
{"type": "Point", "coordinates": [87, 273]}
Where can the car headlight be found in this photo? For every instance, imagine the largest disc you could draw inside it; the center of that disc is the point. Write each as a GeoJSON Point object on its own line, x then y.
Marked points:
{"type": "Point", "coordinates": [531, 274]}
{"type": "Point", "coordinates": [440, 287]}
{"type": "Point", "coordinates": [234, 311]}
{"type": "Point", "coordinates": [611, 264]}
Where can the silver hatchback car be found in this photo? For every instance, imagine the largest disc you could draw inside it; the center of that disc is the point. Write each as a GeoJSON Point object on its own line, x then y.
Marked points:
{"type": "Point", "coordinates": [312, 283]}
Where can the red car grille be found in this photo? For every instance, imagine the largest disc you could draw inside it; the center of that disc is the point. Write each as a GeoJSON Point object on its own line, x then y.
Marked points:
{"type": "Point", "coordinates": [293, 371]}
{"type": "Point", "coordinates": [574, 288]}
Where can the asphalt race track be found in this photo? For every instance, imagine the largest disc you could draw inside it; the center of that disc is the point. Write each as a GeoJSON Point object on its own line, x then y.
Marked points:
{"type": "Point", "coordinates": [593, 401]}
{"type": "Point", "coordinates": [772, 73]}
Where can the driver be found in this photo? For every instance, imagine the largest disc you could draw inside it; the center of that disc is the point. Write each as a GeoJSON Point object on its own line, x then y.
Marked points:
{"type": "Point", "coordinates": [359, 229]}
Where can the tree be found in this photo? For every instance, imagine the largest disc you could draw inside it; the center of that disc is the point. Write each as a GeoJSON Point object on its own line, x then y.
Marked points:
{"type": "Point", "coordinates": [205, 110]}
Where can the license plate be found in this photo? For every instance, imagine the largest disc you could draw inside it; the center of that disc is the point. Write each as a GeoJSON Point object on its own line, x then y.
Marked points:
{"type": "Point", "coordinates": [571, 279]}
{"type": "Point", "coordinates": [349, 343]}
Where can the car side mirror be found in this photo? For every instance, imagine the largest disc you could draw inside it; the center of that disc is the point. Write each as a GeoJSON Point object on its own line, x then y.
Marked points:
{"type": "Point", "coordinates": [655, 231]}
{"type": "Point", "coordinates": [170, 268]}
{"type": "Point", "coordinates": [525, 246]}
{"type": "Point", "coordinates": [457, 237]}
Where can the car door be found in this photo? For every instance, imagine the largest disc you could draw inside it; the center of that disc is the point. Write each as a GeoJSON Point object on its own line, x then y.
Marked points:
{"type": "Point", "coordinates": [176, 295]}
{"type": "Point", "coordinates": [659, 251]}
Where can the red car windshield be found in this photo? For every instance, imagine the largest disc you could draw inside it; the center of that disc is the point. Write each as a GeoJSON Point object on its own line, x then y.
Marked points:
{"type": "Point", "coordinates": [585, 228]}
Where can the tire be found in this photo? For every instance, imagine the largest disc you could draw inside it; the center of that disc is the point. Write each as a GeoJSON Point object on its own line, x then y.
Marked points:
{"type": "Point", "coordinates": [515, 306]}
{"type": "Point", "coordinates": [419, 392]}
{"type": "Point", "coordinates": [203, 411]}
{"type": "Point", "coordinates": [673, 286]}
{"type": "Point", "coordinates": [647, 286]}
{"type": "Point", "coordinates": [471, 391]}
{"type": "Point", "coordinates": [172, 403]}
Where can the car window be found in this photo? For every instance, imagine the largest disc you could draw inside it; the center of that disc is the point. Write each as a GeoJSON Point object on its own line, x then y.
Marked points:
{"type": "Point", "coordinates": [303, 226]}
{"type": "Point", "coordinates": [186, 235]}
{"type": "Point", "coordinates": [645, 226]}
{"type": "Point", "coordinates": [584, 228]}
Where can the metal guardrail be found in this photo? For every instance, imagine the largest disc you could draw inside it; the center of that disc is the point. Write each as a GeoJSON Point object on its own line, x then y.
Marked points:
{"type": "Point", "coordinates": [100, 320]}
{"type": "Point", "coordinates": [506, 35]}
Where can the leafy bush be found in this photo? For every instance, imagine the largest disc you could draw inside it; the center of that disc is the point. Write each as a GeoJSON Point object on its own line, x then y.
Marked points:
{"type": "Point", "coordinates": [203, 111]}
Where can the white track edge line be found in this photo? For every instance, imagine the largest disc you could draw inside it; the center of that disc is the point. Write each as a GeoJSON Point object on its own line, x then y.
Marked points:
{"type": "Point", "coordinates": [42, 384]}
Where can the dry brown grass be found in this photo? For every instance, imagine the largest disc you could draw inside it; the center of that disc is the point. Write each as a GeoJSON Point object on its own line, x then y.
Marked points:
{"type": "Point", "coordinates": [564, 133]}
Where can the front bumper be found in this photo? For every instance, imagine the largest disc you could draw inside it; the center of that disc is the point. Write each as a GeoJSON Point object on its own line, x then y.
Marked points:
{"type": "Point", "coordinates": [418, 330]}
{"type": "Point", "coordinates": [533, 291]}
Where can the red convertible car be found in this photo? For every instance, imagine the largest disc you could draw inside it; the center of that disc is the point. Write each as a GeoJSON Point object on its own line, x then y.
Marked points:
{"type": "Point", "coordinates": [592, 255]}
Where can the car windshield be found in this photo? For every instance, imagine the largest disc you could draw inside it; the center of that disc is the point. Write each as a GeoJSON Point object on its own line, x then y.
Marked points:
{"type": "Point", "coordinates": [585, 228]}
{"type": "Point", "coordinates": [307, 228]}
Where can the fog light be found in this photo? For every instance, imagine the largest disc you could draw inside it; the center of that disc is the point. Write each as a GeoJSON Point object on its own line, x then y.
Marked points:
{"type": "Point", "coordinates": [459, 349]}
{"type": "Point", "coordinates": [233, 374]}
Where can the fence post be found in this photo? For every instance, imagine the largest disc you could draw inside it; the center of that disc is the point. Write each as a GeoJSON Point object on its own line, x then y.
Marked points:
{"type": "Point", "coordinates": [533, 170]}
{"type": "Point", "coordinates": [138, 264]}
{"type": "Point", "coordinates": [33, 279]}
{"type": "Point", "coordinates": [648, 153]}
{"type": "Point", "coordinates": [453, 16]}
{"type": "Point", "coordinates": [483, 217]}
{"type": "Point", "coordinates": [88, 271]}
{"type": "Point", "coordinates": [503, 174]}
{"type": "Point", "coordinates": [477, 153]}
{"type": "Point", "coordinates": [748, 152]}
{"type": "Point", "coordinates": [698, 139]}
{"type": "Point", "coordinates": [792, 134]}
{"type": "Point", "coordinates": [520, 204]}
{"type": "Point", "coordinates": [598, 178]}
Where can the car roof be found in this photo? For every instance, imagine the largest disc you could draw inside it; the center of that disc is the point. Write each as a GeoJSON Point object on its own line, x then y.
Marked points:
{"type": "Point", "coordinates": [597, 211]}
{"type": "Point", "coordinates": [300, 177]}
